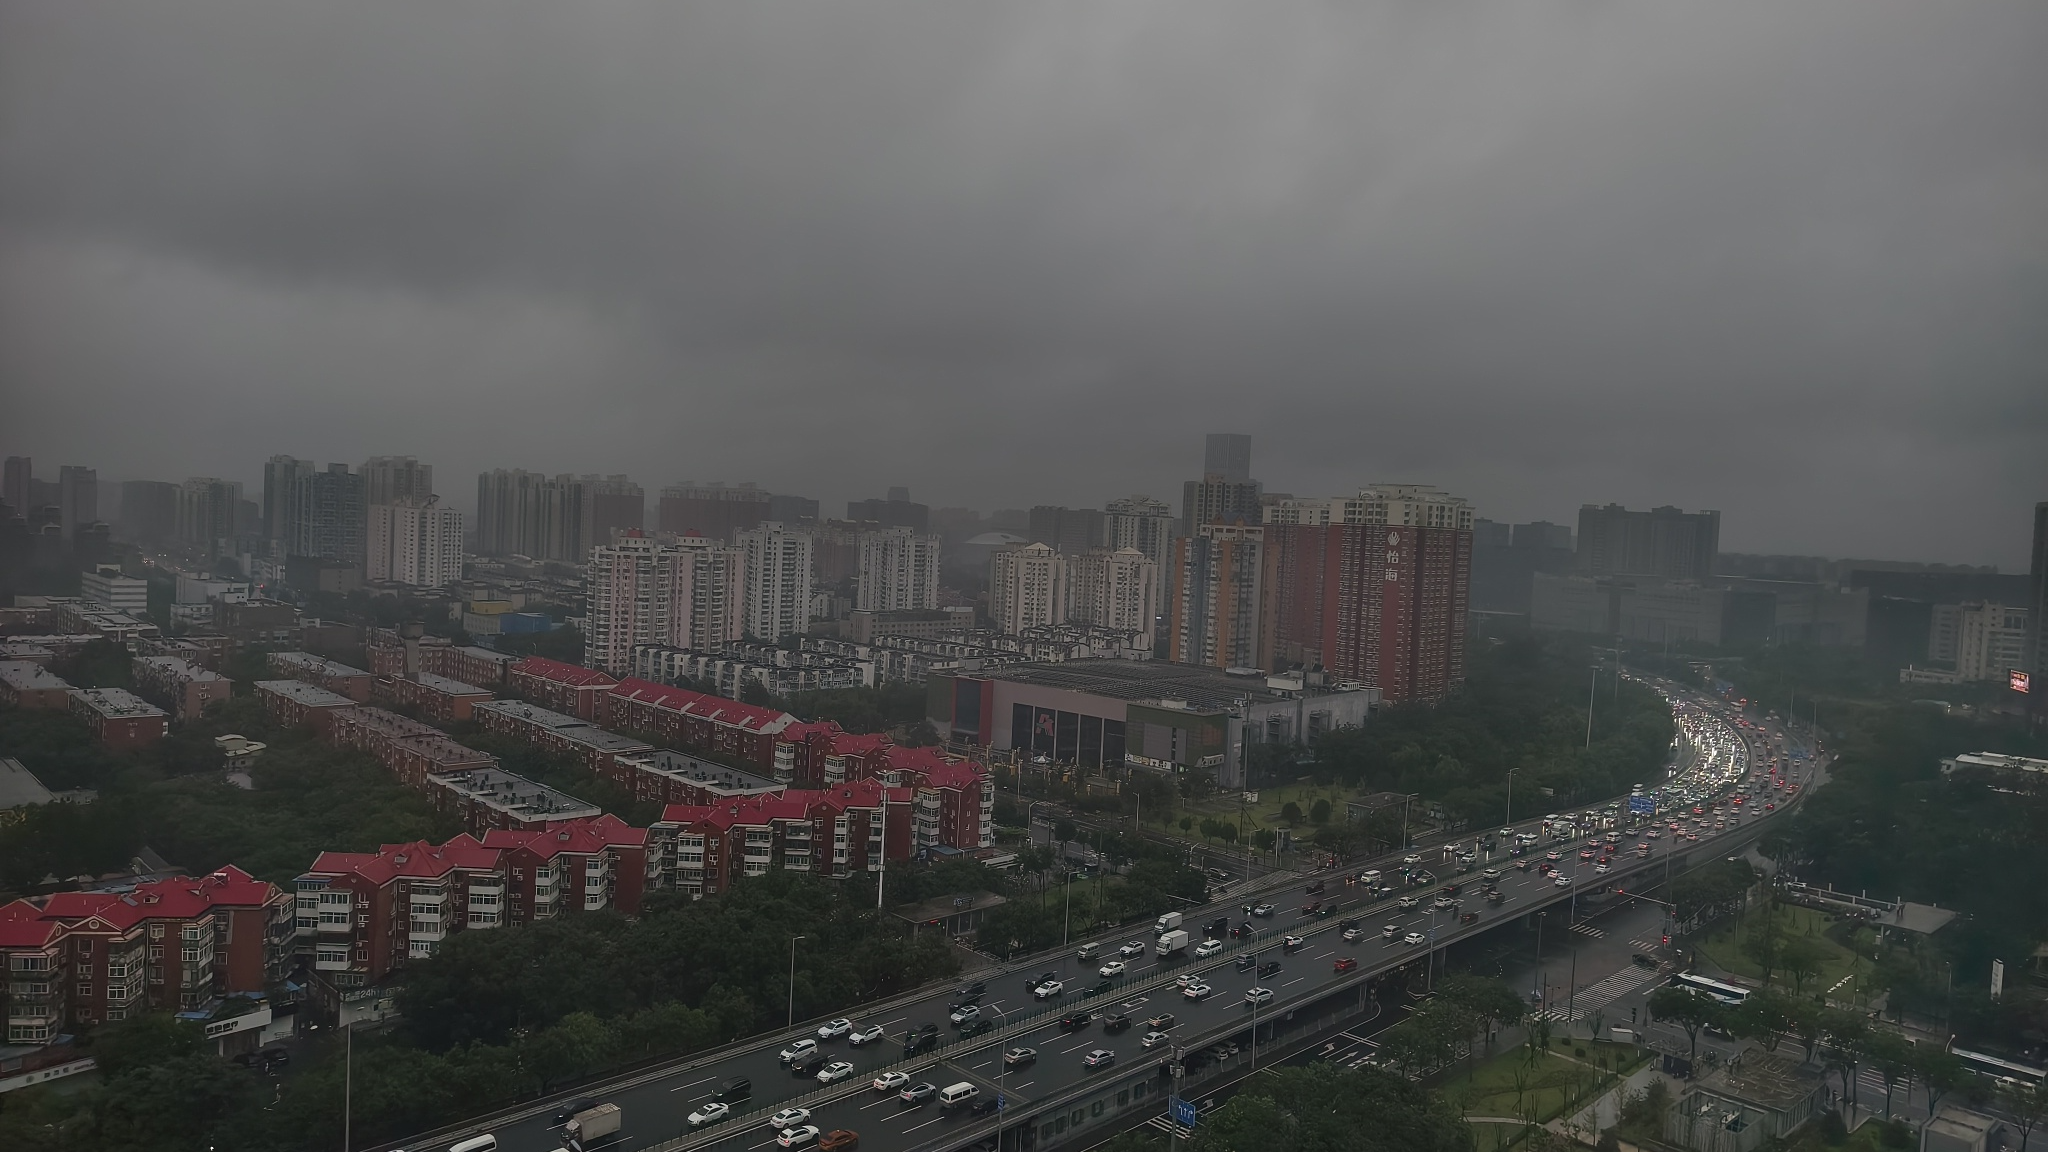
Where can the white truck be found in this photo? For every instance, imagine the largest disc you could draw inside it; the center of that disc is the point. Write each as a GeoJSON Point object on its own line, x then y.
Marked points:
{"type": "Point", "coordinates": [592, 1127]}
{"type": "Point", "coordinates": [1167, 923]}
{"type": "Point", "coordinates": [1171, 944]}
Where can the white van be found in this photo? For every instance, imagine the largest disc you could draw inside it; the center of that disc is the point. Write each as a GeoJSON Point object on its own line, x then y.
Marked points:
{"type": "Point", "coordinates": [1370, 876]}
{"type": "Point", "coordinates": [958, 1094]}
{"type": "Point", "coordinates": [483, 1143]}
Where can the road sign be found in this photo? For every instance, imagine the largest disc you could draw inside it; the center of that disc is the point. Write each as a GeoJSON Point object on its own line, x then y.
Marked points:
{"type": "Point", "coordinates": [1642, 806]}
{"type": "Point", "coordinates": [1002, 1101]}
{"type": "Point", "coordinates": [1183, 1111]}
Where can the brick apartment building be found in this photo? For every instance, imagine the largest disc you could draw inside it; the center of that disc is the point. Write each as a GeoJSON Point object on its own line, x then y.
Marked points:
{"type": "Point", "coordinates": [353, 683]}
{"type": "Point", "coordinates": [24, 684]}
{"type": "Point", "coordinates": [186, 687]}
{"type": "Point", "coordinates": [292, 703]}
{"type": "Point", "coordinates": [198, 650]}
{"type": "Point", "coordinates": [361, 915]}
{"type": "Point", "coordinates": [558, 732]}
{"type": "Point", "coordinates": [491, 798]}
{"type": "Point", "coordinates": [466, 663]}
{"type": "Point", "coordinates": [119, 718]}
{"type": "Point", "coordinates": [83, 958]}
{"type": "Point", "coordinates": [832, 832]}
{"type": "Point", "coordinates": [412, 750]}
{"type": "Point", "coordinates": [696, 721]}
{"type": "Point", "coordinates": [438, 698]}
{"type": "Point", "coordinates": [569, 688]}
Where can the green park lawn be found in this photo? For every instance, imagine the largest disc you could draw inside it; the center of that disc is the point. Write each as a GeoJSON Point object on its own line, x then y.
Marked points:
{"type": "Point", "coordinates": [1724, 949]}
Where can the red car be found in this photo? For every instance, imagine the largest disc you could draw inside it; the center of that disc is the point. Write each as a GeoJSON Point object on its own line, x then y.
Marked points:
{"type": "Point", "coordinates": [1346, 963]}
{"type": "Point", "coordinates": [1585, 854]}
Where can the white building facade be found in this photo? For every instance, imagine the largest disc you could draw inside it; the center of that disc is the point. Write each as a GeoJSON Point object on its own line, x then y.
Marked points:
{"type": "Point", "coordinates": [776, 580]}
{"type": "Point", "coordinates": [414, 541]}
{"type": "Point", "coordinates": [1115, 590]}
{"type": "Point", "coordinates": [899, 570]}
{"type": "Point", "coordinates": [1027, 588]}
{"type": "Point", "coordinates": [681, 594]}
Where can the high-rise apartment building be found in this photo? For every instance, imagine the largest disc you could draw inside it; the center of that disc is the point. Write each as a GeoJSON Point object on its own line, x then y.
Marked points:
{"type": "Point", "coordinates": [78, 497]}
{"type": "Point", "coordinates": [389, 479]}
{"type": "Point", "coordinates": [16, 482]}
{"type": "Point", "coordinates": [611, 505]}
{"type": "Point", "coordinates": [898, 511]}
{"type": "Point", "coordinates": [776, 581]}
{"type": "Point", "coordinates": [1229, 455]}
{"type": "Point", "coordinates": [898, 570]}
{"type": "Point", "coordinates": [2036, 654]}
{"type": "Point", "coordinates": [521, 513]}
{"type": "Point", "coordinates": [326, 515]}
{"type": "Point", "coordinates": [281, 475]}
{"type": "Point", "coordinates": [1215, 500]}
{"type": "Point", "coordinates": [1027, 588]}
{"type": "Point", "coordinates": [1614, 541]}
{"type": "Point", "coordinates": [1217, 617]}
{"type": "Point", "coordinates": [207, 509]}
{"type": "Point", "coordinates": [715, 510]}
{"type": "Point", "coordinates": [149, 511]}
{"type": "Point", "coordinates": [1149, 526]}
{"type": "Point", "coordinates": [414, 541]}
{"type": "Point", "coordinates": [683, 594]}
{"type": "Point", "coordinates": [1116, 590]}
{"type": "Point", "coordinates": [1070, 531]}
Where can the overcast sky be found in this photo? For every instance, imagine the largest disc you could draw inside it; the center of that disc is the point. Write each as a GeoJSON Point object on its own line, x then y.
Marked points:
{"type": "Point", "coordinates": [1785, 260]}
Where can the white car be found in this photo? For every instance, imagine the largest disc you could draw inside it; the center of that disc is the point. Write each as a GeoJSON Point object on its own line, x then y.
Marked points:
{"type": "Point", "coordinates": [1411, 861]}
{"type": "Point", "coordinates": [1408, 901]}
{"type": "Point", "coordinates": [1045, 991]}
{"type": "Point", "coordinates": [802, 1137]}
{"type": "Point", "coordinates": [1353, 935]}
{"type": "Point", "coordinates": [1208, 948]}
{"type": "Point", "coordinates": [966, 1014]}
{"type": "Point", "coordinates": [1412, 938]}
{"type": "Point", "coordinates": [834, 1029]}
{"type": "Point", "coordinates": [1600, 869]}
{"type": "Point", "coordinates": [1185, 979]}
{"type": "Point", "coordinates": [797, 1049]}
{"type": "Point", "coordinates": [1155, 1039]}
{"type": "Point", "coordinates": [789, 1118]}
{"type": "Point", "coordinates": [1113, 968]}
{"type": "Point", "coordinates": [1131, 951]}
{"type": "Point", "coordinates": [868, 1035]}
{"type": "Point", "coordinates": [1197, 991]}
{"type": "Point", "coordinates": [891, 1081]}
{"type": "Point", "coordinates": [1562, 881]}
{"type": "Point", "coordinates": [834, 1072]}
{"type": "Point", "coordinates": [1100, 1058]}
{"type": "Point", "coordinates": [1258, 996]}
{"type": "Point", "coordinates": [710, 1113]}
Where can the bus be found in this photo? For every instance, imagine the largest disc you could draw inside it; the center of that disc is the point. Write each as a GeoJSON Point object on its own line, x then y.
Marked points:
{"type": "Point", "coordinates": [1730, 994]}
{"type": "Point", "coordinates": [2001, 1070]}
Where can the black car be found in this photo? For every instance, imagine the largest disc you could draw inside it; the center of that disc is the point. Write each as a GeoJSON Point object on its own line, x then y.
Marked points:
{"type": "Point", "coordinates": [809, 1063]}
{"type": "Point", "coordinates": [1215, 929]}
{"type": "Point", "coordinates": [1643, 961]}
{"type": "Point", "coordinates": [977, 1027]}
{"type": "Point", "coordinates": [923, 1040]}
{"type": "Point", "coordinates": [580, 1104]}
{"type": "Point", "coordinates": [1099, 987]}
{"type": "Point", "coordinates": [1315, 888]}
{"type": "Point", "coordinates": [970, 992]}
{"type": "Point", "coordinates": [1346, 925]}
{"type": "Point", "coordinates": [733, 1090]}
{"type": "Point", "coordinates": [982, 1106]}
{"type": "Point", "coordinates": [1268, 968]}
{"type": "Point", "coordinates": [1115, 1022]}
{"type": "Point", "coordinates": [1075, 1020]}
{"type": "Point", "coordinates": [1246, 962]}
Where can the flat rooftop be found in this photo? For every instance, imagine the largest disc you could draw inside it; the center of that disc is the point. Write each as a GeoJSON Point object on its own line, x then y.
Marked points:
{"type": "Point", "coordinates": [179, 668]}
{"type": "Point", "coordinates": [1205, 689]}
{"type": "Point", "coordinates": [116, 703]}
{"type": "Point", "coordinates": [25, 676]}
{"type": "Point", "coordinates": [1764, 1079]}
{"type": "Point", "coordinates": [307, 662]}
{"type": "Point", "coordinates": [515, 794]}
{"type": "Point", "coordinates": [716, 777]}
{"type": "Point", "coordinates": [450, 686]}
{"type": "Point", "coordinates": [311, 695]}
{"type": "Point", "coordinates": [19, 786]}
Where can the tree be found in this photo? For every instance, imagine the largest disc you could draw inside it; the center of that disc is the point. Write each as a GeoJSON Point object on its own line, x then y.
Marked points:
{"type": "Point", "coordinates": [1940, 1071]}
{"type": "Point", "coordinates": [1291, 812]}
{"type": "Point", "coordinates": [1319, 812]}
{"type": "Point", "coordinates": [2027, 1104]}
{"type": "Point", "coordinates": [1845, 1033]}
{"type": "Point", "coordinates": [1226, 832]}
{"type": "Point", "coordinates": [1264, 838]}
{"type": "Point", "coordinates": [1687, 1009]}
{"type": "Point", "coordinates": [1186, 823]}
{"type": "Point", "coordinates": [1893, 1057]}
{"type": "Point", "coordinates": [1801, 958]}
{"type": "Point", "coordinates": [1764, 1017]}
{"type": "Point", "coordinates": [1765, 942]}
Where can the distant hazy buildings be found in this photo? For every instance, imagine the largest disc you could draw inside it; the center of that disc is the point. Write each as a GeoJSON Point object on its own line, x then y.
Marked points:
{"type": "Point", "coordinates": [414, 541]}
{"type": "Point", "coordinates": [207, 512]}
{"type": "Point", "coordinates": [1228, 455]}
{"type": "Point", "coordinates": [1506, 558]}
{"type": "Point", "coordinates": [611, 505]}
{"type": "Point", "coordinates": [149, 511]}
{"type": "Point", "coordinates": [685, 594]}
{"type": "Point", "coordinates": [1070, 531]}
{"type": "Point", "coordinates": [390, 479]}
{"type": "Point", "coordinates": [712, 510]}
{"type": "Point", "coordinates": [2035, 662]}
{"type": "Point", "coordinates": [1979, 641]}
{"type": "Point", "coordinates": [776, 593]}
{"type": "Point", "coordinates": [1614, 541]}
{"type": "Point", "coordinates": [78, 497]}
{"type": "Point", "coordinates": [521, 513]}
{"type": "Point", "coordinates": [1149, 526]}
{"type": "Point", "coordinates": [1027, 588]}
{"type": "Point", "coordinates": [898, 571]}
{"type": "Point", "coordinates": [897, 511]}
{"type": "Point", "coordinates": [16, 483]}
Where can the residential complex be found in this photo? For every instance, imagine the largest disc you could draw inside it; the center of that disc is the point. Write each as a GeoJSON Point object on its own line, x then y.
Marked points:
{"type": "Point", "coordinates": [898, 571]}
{"type": "Point", "coordinates": [119, 718]}
{"type": "Point", "coordinates": [1614, 541]}
{"type": "Point", "coordinates": [776, 580]}
{"type": "Point", "coordinates": [414, 541]}
{"type": "Point", "coordinates": [1027, 588]}
{"type": "Point", "coordinates": [185, 687]}
{"type": "Point", "coordinates": [685, 594]}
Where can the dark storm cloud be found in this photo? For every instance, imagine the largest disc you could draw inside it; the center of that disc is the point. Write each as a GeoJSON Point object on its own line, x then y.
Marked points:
{"type": "Point", "coordinates": [1784, 260]}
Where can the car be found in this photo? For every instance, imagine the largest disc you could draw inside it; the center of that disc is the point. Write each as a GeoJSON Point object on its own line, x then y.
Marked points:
{"type": "Point", "coordinates": [789, 1118]}
{"type": "Point", "coordinates": [982, 1106]}
{"type": "Point", "coordinates": [1241, 931]}
{"type": "Point", "coordinates": [1099, 987]}
{"type": "Point", "coordinates": [1292, 943]}
{"type": "Point", "coordinates": [1208, 948]}
{"type": "Point", "coordinates": [1263, 911]}
{"type": "Point", "coordinates": [1312, 909]}
{"type": "Point", "coordinates": [839, 1140]}
{"type": "Point", "coordinates": [965, 1013]}
{"type": "Point", "coordinates": [1411, 860]}
{"type": "Point", "coordinates": [1154, 1040]}
{"type": "Point", "coordinates": [579, 1104]}
{"type": "Point", "coordinates": [1161, 1022]}
{"type": "Point", "coordinates": [1185, 979]}
{"type": "Point", "coordinates": [1390, 931]}
{"type": "Point", "coordinates": [1412, 938]}
{"type": "Point", "coordinates": [1258, 996]}
{"type": "Point", "coordinates": [1496, 896]}
{"type": "Point", "coordinates": [834, 1072]}
{"type": "Point", "coordinates": [709, 1113]}
{"type": "Point", "coordinates": [1345, 964]}
{"type": "Point", "coordinates": [1601, 869]}
{"type": "Point", "coordinates": [1562, 881]}
{"type": "Point", "coordinates": [868, 1035]}
{"type": "Point", "coordinates": [1586, 854]}
{"type": "Point", "coordinates": [1075, 1020]}
{"type": "Point", "coordinates": [976, 1027]}
{"type": "Point", "coordinates": [972, 991]}
{"type": "Point", "coordinates": [1048, 990]}
{"type": "Point", "coordinates": [1490, 875]}
{"type": "Point", "coordinates": [1353, 935]}
{"type": "Point", "coordinates": [1100, 1058]}
{"type": "Point", "coordinates": [916, 1094]}
{"type": "Point", "coordinates": [1089, 951]}
{"type": "Point", "coordinates": [920, 1041]}
{"type": "Point", "coordinates": [1197, 992]}
{"type": "Point", "coordinates": [1115, 1022]}
{"type": "Point", "coordinates": [1132, 951]}
{"type": "Point", "coordinates": [1553, 856]}
{"type": "Point", "coordinates": [1315, 887]}
{"type": "Point", "coordinates": [807, 1064]}
{"type": "Point", "coordinates": [1443, 904]}
{"type": "Point", "coordinates": [1019, 1056]}
{"type": "Point", "coordinates": [1408, 901]}
{"type": "Point", "coordinates": [1521, 865]}
{"type": "Point", "coordinates": [1268, 968]}
{"type": "Point", "coordinates": [1245, 962]}
{"type": "Point", "coordinates": [834, 1029]}
{"type": "Point", "coordinates": [1643, 961]}
{"type": "Point", "coordinates": [800, 1137]}
{"type": "Point", "coordinates": [797, 1050]}
{"type": "Point", "coordinates": [1467, 917]}
{"type": "Point", "coordinates": [734, 1090]}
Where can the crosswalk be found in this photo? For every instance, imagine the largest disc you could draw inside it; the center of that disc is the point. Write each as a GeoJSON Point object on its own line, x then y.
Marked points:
{"type": "Point", "coordinates": [1588, 931]}
{"type": "Point", "coordinates": [1648, 943]}
{"type": "Point", "coordinates": [1600, 993]}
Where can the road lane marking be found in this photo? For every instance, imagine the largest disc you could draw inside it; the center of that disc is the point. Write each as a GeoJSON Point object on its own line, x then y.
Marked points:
{"type": "Point", "coordinates": [926, 1124]}
{"type": "Point", "coordinates": [693, 1083]}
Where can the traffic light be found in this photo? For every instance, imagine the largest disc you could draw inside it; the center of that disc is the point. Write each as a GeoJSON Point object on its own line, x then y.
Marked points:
{"type": "Point", "coordinates": [1667, 941]}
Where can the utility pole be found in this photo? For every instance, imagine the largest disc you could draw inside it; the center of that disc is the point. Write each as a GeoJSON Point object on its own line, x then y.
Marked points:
{"type": "Point", "coordinates": [348, 1079]}
{"type": "Point", "coordinates": [792, 980]}
{"type": "Point", "coordinates": [1591, 691]}
{"type": "Point", "coordinates": [882, 856]}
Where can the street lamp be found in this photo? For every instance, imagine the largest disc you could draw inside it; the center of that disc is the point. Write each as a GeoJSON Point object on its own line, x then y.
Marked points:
{"type": "Point", "coordinates": [1002, 1078]}
{"type": "Point", "coordinates": [1510, 820]}
{"type": "Point", "coordinates": [792, 980]}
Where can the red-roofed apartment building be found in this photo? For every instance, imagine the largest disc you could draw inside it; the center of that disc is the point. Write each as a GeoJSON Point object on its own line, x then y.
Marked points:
{"type": "Point", "coordinates": [697, 722]}
{"type": "Point", "coordinates": [79, 958]}
{"type": "Point", "coordinates": [569, 688]}
{"type": "Point", "coordinates": [362, 915]}
{"type": "Point", "coordinates": [829, 832]}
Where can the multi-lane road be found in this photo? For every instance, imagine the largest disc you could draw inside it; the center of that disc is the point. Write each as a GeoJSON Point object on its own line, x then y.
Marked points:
{"type": "Point", "coordinates": [655, 1106]}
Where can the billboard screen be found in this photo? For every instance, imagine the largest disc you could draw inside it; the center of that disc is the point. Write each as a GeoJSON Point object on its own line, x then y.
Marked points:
{"type": "Point", "coordinates": [2019, 681]}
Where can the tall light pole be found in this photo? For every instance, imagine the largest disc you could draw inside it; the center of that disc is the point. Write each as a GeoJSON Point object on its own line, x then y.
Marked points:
{"type": "Point", "coordinates": [792, 980]}
{"type": "Point", "coordinates": [1002, 1078]}
{"type": "Point", "coordinates": [1510, 820]}
{"type": "Point", "coordinates": [1592, 690]}
{"type": "Point", "coordinates": [1067, 916]}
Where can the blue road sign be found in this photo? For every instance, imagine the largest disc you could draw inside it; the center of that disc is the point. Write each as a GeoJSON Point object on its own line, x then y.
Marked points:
{"type": "Point", "coordinates": [1183, 1111]}
{"type": "Point", "coordinates": [1002, 1101]}
{"type": "Point", "coordinates": [1642, 805]}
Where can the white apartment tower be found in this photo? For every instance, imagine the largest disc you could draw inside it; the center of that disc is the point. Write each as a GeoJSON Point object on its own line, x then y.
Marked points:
{"type": "Point", "coordinates": [776, 589]}
{"type": "Point", "coordinates": [682, 594]}
{"type": "Point", "coordinates": [1149, 526]}
{"type": "Point", "coordinates": [1027, 588]}
{"type": "Point", "coordinates": [899, 569]}
{"type": "Point", "coordinates": [414, 541]}
{"type": "Point", "coordinates": [1114, 590]}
